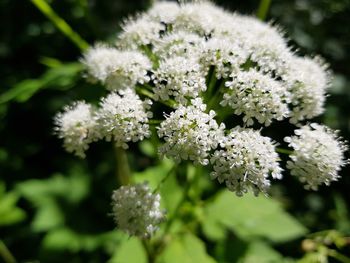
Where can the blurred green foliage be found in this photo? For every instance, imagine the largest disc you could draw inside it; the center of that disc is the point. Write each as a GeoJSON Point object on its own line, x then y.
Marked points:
{"type": "Point", "coordinates": [55, 207]}
{"type": "Point", "coordinates": [9, 212]}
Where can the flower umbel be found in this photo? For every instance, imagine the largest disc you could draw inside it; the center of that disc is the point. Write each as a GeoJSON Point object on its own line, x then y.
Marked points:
{"type": "Point", "coordinates": [246, 160]}
{"type": "Point", "coordinates": [209, 69]}
{"type": "Point", "coordinates": [123, 117]}
{"type": "Point", "coordinates": [308, 83]}
{"type": "Point", "coordinates": [77, 126]}
{"type": "Point", "coordinates": [179, 78]}
{"type": "Point", "coordinates": [190, 133]}
{"type": "Point", "coordinates": [136, 210]}
{"type": "Point", "coordinates": [257, 96]}
{"type": "Point", "coordinates": [318, 155]}
{"type": "Point", "coordinates": [117, 69]}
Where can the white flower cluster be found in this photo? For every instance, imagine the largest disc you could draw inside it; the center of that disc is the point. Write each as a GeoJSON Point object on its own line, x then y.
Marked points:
{"type": "Point", "coordinates": [123, 117]}
{"type": "Point", "coordinates": [256, 96]}
{"type": "Point", "coordinates": [136, 210]}
{"type": "Point", "coordinates": [265, 45]}
{"type": "Point", "coordinates": [116, 68]}
{"type": "Point", "coordinates": [179, 78]}
{"type": "Point", "coordinates": [225, 54]}
{"type": "Point", "coordinates": [246, 160]}
{"type": "Point", "coordinates": [140, 32]}
{"type": "Point", "coordinates": [179, 43]}
{"type": "Point", "coordinates": [77, 127]}
{"type": "Point", "coordinates": [164, 12]}
{"type": "Point", "coordinates": [308, 83]}
{"type": "Point", "coordinates": [201, 17]}
{"type": "Point", "coordinates": [318, 155]}
{"type": "Point", "coordinates": [188, 38]}
{"type": "Point", "coordinates": [193, 54]}
{"type": "Point", "coordinates": [190, 133]}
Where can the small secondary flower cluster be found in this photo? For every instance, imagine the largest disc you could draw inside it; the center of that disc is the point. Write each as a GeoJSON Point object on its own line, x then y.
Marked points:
{"type": "Point", "coordinates": [121, 117]}
{"type": "Point", "coordinates": [246, 159]}
{"type": "Point", "coordinates": [317, 156]}
{"type": "Point", "coordinates": [207, 67]}
{"type": "Point", "coordinates": [136, 210]}
{"type": "Point", "coordinates": [190, 133]}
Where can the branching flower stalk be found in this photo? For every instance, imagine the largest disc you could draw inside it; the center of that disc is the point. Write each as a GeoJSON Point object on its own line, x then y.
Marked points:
{"type": "Point", "coordinates": [123, 173]}
{"type": "Point", "coordinates": [6, 254]}
{"type": "Point", "coordinates": [205, 68]}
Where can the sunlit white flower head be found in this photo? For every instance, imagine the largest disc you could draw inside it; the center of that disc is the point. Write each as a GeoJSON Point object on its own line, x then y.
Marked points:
{"type": "Point", "coordinates": [200, 17]}
{"type": "Point", "coordinates": [139, 32]}
{"type": "Point", "coordinates": [115, 68]}
{"type": "Point", "coordinates": [256, 96]}
{"type": "Point", "coordinates": [179, 78]}
{"type": "Point", "coordinates": [318, 155]}
{"type": "Point", "coordinates": [179, 43]}
{"type": "Point", "coordinates": [136, 210]}
{"type": "Point", "coordinates": [228, 25]}
{"type": "Point", "coordinates": [123, 117]}
{"type": "Point", "coordinates": [77, 127]}
{"type": "Point", "coordinates": [164, 12]}
{"type": "Point", "coordinates": [309, 80]}
{"type": "Point", "coordinates": [173, 52]}
{"type": "Point", "coordinates": [225, 54]}
{"type": "Point", "coordinates": [266, 46]}
{"type": "Point", "coordinates": [190, 133]}
{"type": "Point", "coordinates": [246, 160]}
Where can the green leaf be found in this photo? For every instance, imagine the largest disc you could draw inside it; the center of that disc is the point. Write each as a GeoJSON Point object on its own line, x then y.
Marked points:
{"type": "Point", "coordinates": [342, 219]}
{"type": "Point", "coordinates": [170, 190]}
{"type": "Point", "coordinates": [171, 193]}
{"type": "Point", "coordinates": [57, 186]}
{"type": "Point", "coordinates": [130, 250]}
{"type": "Point", "coordinates": [185, 248]}
{"type": "Point", "coordinates": [63, 238]}
{"type": "Point", "coordinates": [155, 174]}
{"type": "Point", "coordinates": [48, 196]}
{"type": "Point", "coordinates": [48, 216]}
{"type": "Point", "coordinates": [261, 252]}
{"type": "Point", "coordinates": [9, 212]}
{"type": "Point", "coordinates": [148, 149]}
{"type": "Point", "coordinates": [213, 229]}
{"type": "Point", "coordinates": [250, 217]}
{"type": "Point", "coordinates": [61, 24]}
{"type": "Point", "coordinates": [60, 77]}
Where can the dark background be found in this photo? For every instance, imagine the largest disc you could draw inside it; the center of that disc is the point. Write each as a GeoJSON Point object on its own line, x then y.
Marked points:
{"type": "Point", "coordinates": [30, 46]}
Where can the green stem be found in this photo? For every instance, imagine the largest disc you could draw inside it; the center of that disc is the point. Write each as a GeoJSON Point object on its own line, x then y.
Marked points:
{"type": "Point", "coordinates": [154, 122]}
{"type": "Point", "coordinates": [189, 183]}
{"type": "Point", "coordinates": [211, 81]}
{"type": "Point", "coordinates": [122, 166]}
{"type": "Point", "coordinates": [145, 92]}
{"type": "Point", "coordinates": [171, 171]}
{"type": "Point", "coordinates": [149, 250]}
{"type": "Point", "coordinates": [336, 255]}
{"type": "Point", "coordinates": [263, 9]}
{"type": "Point", "coordinates": [62, 25]}
{"type": "Point", "coordinates": [191, 179]}
{"type": "Point", "coordinates": [284, 151]}
{"type": "Point", "coordinates": [6, 254]}
{"type": "Point", "coordinates": [216, 97]}
{"type": "Point", "coordinates": [150, 54]}
{"type": "Point", "coordinates": [147, 87]}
